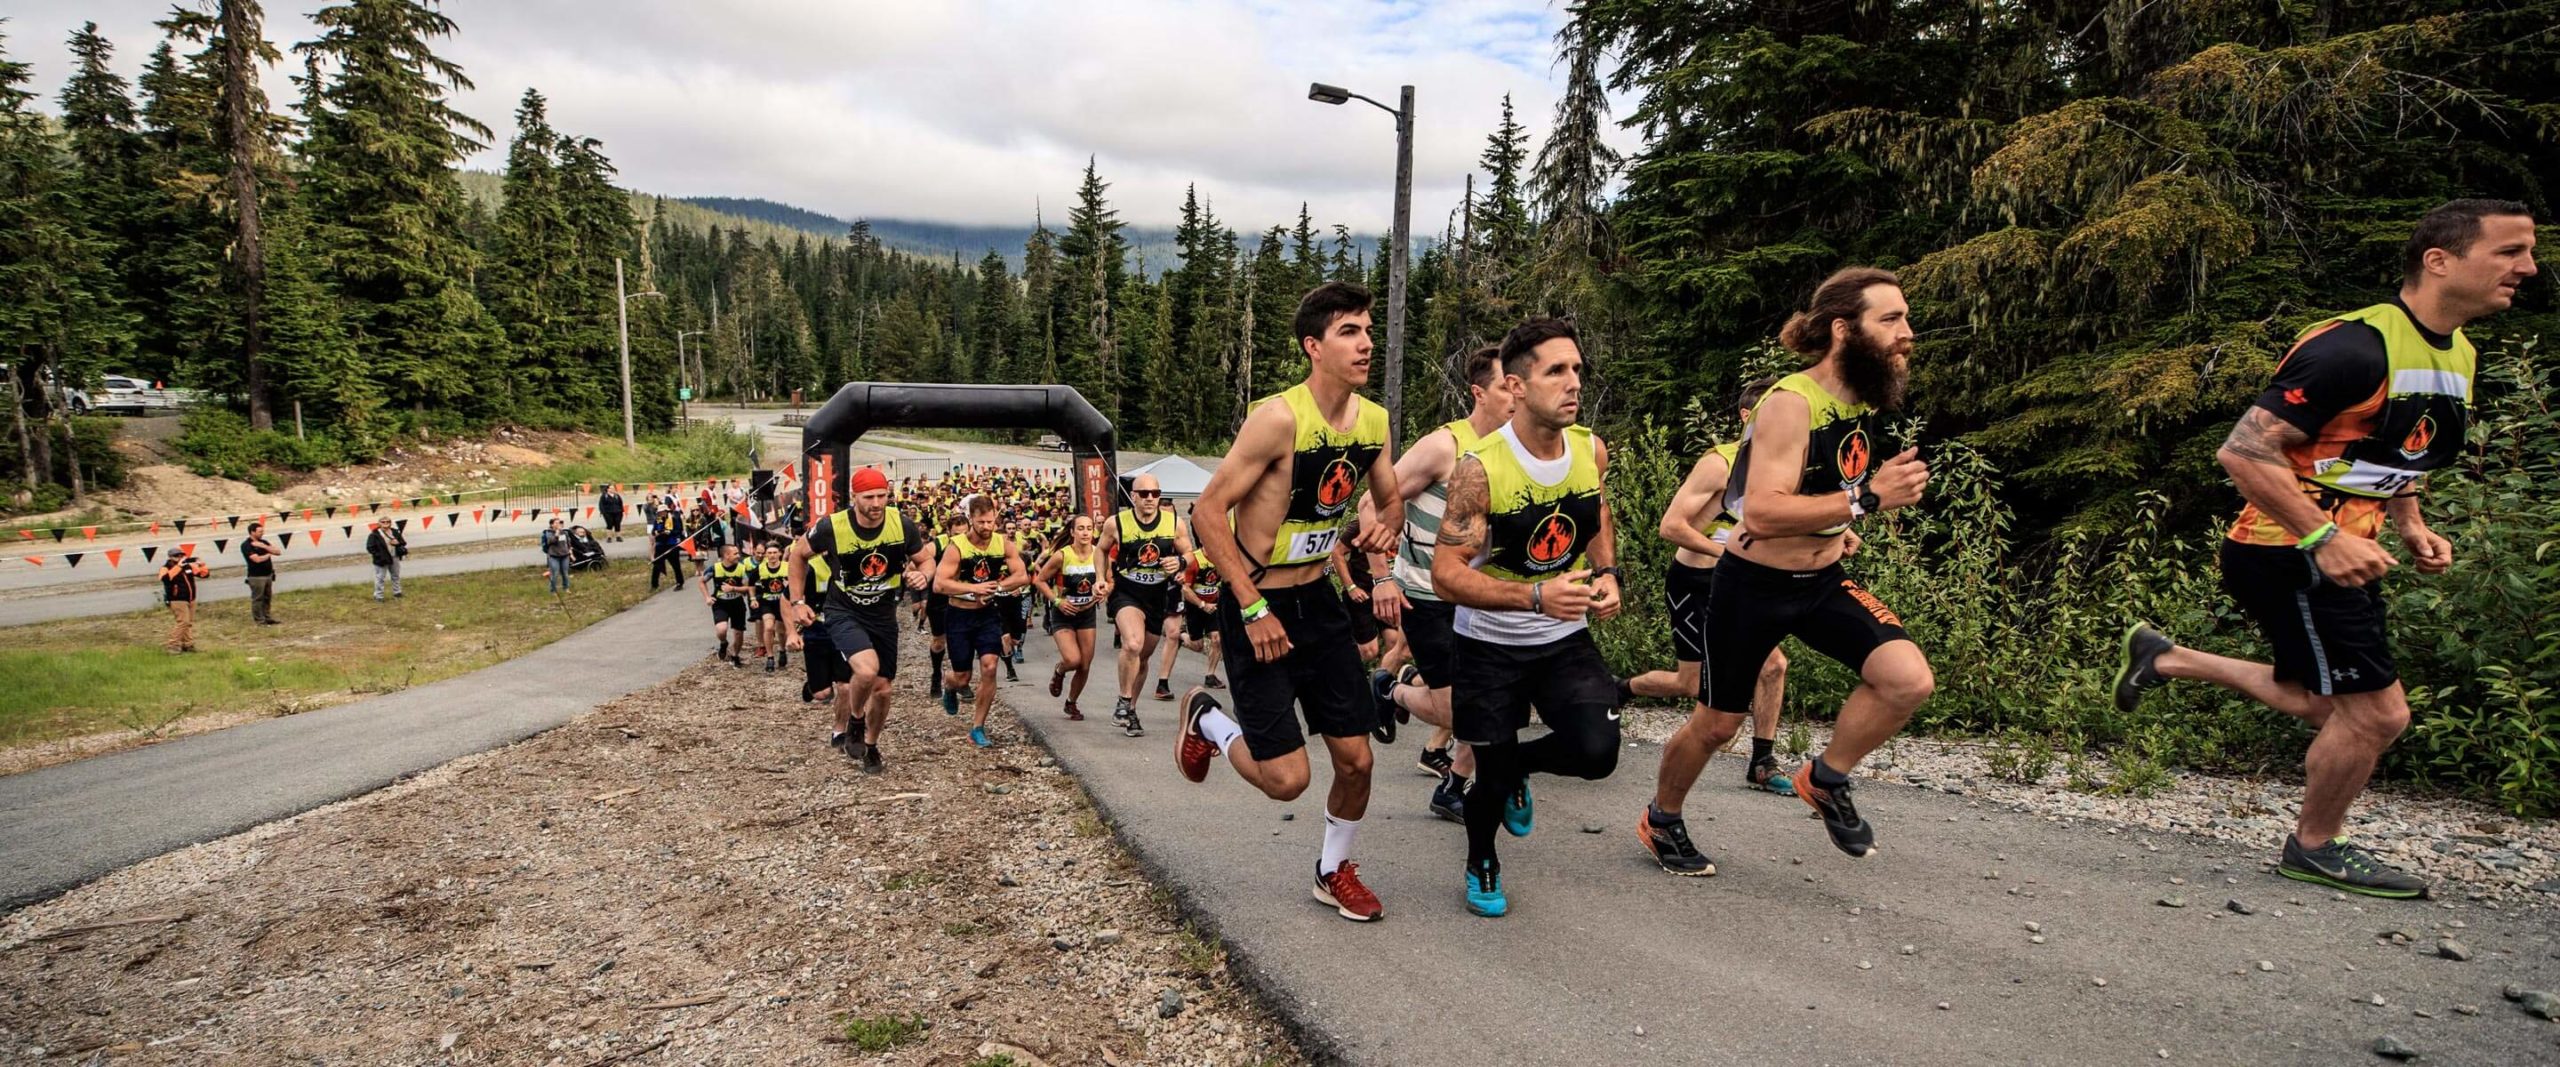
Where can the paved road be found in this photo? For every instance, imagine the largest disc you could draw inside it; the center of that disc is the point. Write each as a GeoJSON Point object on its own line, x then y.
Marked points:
{"type": "Point", "coordinates": [1606, 960]}
{"type": "Point", "coordinates": [62, 826]}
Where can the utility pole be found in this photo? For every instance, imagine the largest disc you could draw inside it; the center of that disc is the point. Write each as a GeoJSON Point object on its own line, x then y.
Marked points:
{"type": "Point", "coordinates": [1401, 240]}
{"type": "Point", "coordinates": [622, 316]}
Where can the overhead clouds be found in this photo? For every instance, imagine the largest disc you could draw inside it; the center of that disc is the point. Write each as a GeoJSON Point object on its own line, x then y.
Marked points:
{"type": "Point", "coordinates": [975, 111]}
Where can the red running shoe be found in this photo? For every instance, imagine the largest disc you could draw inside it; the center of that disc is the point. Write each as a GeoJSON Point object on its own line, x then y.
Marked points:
{"type": "Point", "coordinates": [1192, 752]}
{"type": "Point", "coordinates": [1074, 715]}
{"type": "Point", "coordinates": [1343, 892]}
{"type": "Point", "coordinates": [1058, 682]}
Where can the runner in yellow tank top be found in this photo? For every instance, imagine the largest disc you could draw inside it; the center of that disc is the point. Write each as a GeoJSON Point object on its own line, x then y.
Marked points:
{"type": "Point", "coordinates": [1268, 519]}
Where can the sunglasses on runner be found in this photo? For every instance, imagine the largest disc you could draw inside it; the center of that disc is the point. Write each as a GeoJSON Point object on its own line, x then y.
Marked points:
{"type": "Point", "coordinates": [1146, 492]}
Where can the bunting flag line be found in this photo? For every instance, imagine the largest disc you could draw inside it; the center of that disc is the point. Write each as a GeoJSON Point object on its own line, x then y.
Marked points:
{"type": "Point", "coordinates": [115, 557]}
{"type": "Point", "coordinates": [688, 546]}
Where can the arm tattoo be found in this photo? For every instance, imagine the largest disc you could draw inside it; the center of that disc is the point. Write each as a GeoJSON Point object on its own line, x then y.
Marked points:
{"type": "Point", "coordinates": [1462, 521]}
{"type": "Point", "coordinates": [2260, 437]}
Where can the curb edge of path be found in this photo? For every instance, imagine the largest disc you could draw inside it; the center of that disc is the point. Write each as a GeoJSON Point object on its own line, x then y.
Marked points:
{"type": "Point", "coordinates": [1258, 982]}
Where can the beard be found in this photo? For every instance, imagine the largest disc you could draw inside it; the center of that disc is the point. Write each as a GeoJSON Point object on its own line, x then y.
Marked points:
{"type": "Point", "coordinates": [1874, 372]}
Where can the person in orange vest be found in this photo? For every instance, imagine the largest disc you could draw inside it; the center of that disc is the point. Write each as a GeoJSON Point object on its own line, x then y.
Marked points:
{"type": "Point", "coordinates": [178, 577]}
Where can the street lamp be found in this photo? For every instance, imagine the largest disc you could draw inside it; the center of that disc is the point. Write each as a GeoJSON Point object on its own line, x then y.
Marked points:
{"type": "Point", "coordinates": [1400, 241]}
{"type": "Point", "coordinates": [622, 313]}
{"type": "Point", "coordinates": [684, 370]}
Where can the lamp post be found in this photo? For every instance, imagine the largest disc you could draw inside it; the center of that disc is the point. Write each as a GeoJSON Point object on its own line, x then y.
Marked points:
{"type": "Point", "coordinates": [622, 314]}
{"type": "Point", "coordinates": [684, 370]}
{"type": "Point", "coordinates": [1400, 241]}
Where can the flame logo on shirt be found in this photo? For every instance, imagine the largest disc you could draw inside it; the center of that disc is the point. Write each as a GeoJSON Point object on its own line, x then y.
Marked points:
{"type": "Point", "coordinates": [1553, 538]}
{"type": "Point", "coordinates": [2420, 436]}
{"type": "Point", "coordinates": [1149, 555]}
{"type": "Point", "coordinates": [1334, 487]}
{"type": "Point", "coordinates": [1853, 457]}
{"type": "Point", "coordinates": [874, 566]}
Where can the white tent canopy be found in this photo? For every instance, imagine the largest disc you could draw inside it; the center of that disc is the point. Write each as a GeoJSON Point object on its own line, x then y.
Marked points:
{"type": "Point", "coordinates": [1179, 477]}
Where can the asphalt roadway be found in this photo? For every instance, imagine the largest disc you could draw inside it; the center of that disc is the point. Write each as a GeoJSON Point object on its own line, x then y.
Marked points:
{"type": "Point", "coordinates": [1792, 953]}
{"type": "Point", "coordinates": [64, 825]}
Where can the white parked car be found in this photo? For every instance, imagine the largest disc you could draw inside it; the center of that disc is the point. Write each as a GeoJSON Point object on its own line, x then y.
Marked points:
{"type": "Point", "coordinates": [76, 400]}
{"type": "Point", "coordinates": [128, 395]}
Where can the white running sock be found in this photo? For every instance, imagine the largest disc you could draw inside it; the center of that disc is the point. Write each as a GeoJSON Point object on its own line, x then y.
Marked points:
{"type": "Point", "coordinates": [1338, 835]}
{"type": "Point", "coordinates": [1219, 729]}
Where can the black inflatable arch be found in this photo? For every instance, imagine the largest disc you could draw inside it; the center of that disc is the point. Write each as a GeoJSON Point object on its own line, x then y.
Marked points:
{"type": "Point", "coordinates": [860, 407]}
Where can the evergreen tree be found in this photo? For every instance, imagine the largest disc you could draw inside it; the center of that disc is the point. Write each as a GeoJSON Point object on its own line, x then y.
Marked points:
{"type": "Point", "coordinates": [247, 136]}
{"type": "Point", "coordinates": [101, 186]}
{"type": "Point", "coordinates": [529, 255]}
{"type": "Point", "coordinates": [57, 323]}
{"type": "Point", "coordinates": [385, 203]}
{"type": "Point", "coordinates": [1091, 269]}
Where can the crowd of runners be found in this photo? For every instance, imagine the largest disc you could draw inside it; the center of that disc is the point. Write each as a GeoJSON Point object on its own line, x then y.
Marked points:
{"type": "Point", "coordinates": [1339, 590]}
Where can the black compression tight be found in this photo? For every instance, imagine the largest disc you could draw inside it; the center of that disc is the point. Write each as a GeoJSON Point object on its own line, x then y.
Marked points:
{"type": "Point", "coordinates": [1584, 745]}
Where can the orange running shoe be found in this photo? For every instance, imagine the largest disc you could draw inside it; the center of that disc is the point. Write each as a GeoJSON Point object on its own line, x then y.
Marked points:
{"type": "Point", "coordinates": [1342, 891]}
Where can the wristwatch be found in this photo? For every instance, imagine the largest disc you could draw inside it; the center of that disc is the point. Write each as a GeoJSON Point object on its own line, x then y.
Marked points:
{"type": "Point", "coordinates": [1863, 500]}
{"type": "Point", "coordinates": [1607, 572]}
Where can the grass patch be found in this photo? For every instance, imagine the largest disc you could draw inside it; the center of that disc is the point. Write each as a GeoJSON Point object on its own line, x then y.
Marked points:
{"type": "Point", "coordinates": [997, 1060]}
{"type": "Point", "coordinates": [1199, 952]}
{"type": "Point", "coordinates": [86, 676]}
{"type": "Point", "coordinates": [690, 454]}
{"type": "Point", "coordinates": [964, 930]}
{"type": "Point", "coordinates": [904, 881]}
{"type": "Point", "coordinates": [884, 1032]}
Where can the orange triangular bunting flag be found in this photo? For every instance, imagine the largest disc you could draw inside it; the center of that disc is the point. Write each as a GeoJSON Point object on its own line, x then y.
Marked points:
{"type": "Point", "coordinates": [37, 560]}
{"type": "Point", "coordinates": [688, 545]}
{"type": "Point", "coordinates": [115, 557]}
{"type": "Point", "coordinates": [89, 533]}
{"type": "Point", "coordinates": [315, 535]}
{"type": "Point", "coordinates": [187, 549]}
{"type": "Point", "coordinates": [591, 511]}
{"type": "Point", "coordinates": [425, 521]}
{"type": "Point", "coordinates": [306, 514]}
{"type": "Point", "coordinates": [476, 515]}
{"type": "Point", "coordinates": [155, 529]}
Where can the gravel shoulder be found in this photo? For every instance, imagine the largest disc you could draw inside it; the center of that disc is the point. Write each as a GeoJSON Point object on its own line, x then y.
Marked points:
{"type": "Point", "coordinates": [685, 875]}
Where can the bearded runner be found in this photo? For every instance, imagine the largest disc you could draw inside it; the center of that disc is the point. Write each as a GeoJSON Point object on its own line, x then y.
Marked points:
{"type": "Point", "coordinates": [870, 549]}
{"type": "Point", "coordinates": [1806, 470]}
{"type": "Point", "coordinates": [2363, 408]}
{"type": "Point", "coordinates": [1527, 552]}
{"type": "Point", "coordinates": [980, 567]}
{"type": "Point", "coordinates": [1268, 519]}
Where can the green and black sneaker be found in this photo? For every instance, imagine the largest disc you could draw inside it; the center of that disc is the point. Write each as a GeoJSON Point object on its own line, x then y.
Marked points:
{"type": "Point", "coordinates": [2345, 866]}
{"type": "Point", "coordinates": [2134, 671]}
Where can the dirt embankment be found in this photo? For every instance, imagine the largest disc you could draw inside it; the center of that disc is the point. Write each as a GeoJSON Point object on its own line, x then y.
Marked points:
{"type": "Point", "coordinates": [685, 876]}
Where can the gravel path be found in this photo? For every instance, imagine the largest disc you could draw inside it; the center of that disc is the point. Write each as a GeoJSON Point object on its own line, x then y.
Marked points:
{"type": "Point", "coordinates": [683, 876]}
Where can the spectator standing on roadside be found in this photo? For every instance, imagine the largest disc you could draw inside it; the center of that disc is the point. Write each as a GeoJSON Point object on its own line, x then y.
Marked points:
{"type": "Point", "coordinates": [178, 577]}
{"type": "Point", "coordinates": [261, 574]}
{"type": "Point", "coordinates": [609, 505]}
{"type": "Point", "coordinates": [387, 546]}
{"type": "Point", "coordinates": [555, 556]}
{"type": "Point", "coordinates": [666, 537]}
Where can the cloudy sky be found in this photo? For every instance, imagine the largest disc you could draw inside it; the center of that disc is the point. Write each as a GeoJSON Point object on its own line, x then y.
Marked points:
{"type": "Point", "coordinates": [972, 111]}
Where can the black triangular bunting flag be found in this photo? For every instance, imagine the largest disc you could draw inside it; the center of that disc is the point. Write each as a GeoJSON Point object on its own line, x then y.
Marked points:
{"type": "Point", "coordinates": [376, 506]}
{"type": "Point", "coordinates": [288, 540]}
{"type": "Point", "coordinates": [57, 535]}
{"type": "Point", "coordinates": [182, 525]}
{"type": "Point", "coordinates": [149, 551]}
{"type": "Point", "coordinates": [234, 520]}
{"type": "Point", "coordinates": [222, 544]}
{"type": "Point", "coordinates": [333, 511]}
{"type": "Point", "coordinates": [453, 518]}
{"type": "Point", "coordinates": [346, 531]}
{"type": "Point", "coordinates": [74, 557]}
{"type": "Point", "coordinates": [413, 501]}
{"type": "Point", "coordinates": [403, 524]}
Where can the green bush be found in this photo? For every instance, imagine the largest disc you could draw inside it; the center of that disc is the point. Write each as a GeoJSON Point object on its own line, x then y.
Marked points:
{"type": "Point", "coordinates": [218, 443]}
{"type": "Point", "coordinates": [714, 450]}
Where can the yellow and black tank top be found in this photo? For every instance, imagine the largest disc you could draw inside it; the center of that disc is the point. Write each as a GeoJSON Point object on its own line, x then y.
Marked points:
{"type": "Point", "coordinates": [1143, 547]}
{"type": "Point", "coordinates": [1422, 523]}
{"type": "Point", "coordinates": [1205, 582]}
{"type": "Point", "coordinates": [1326, 467]}
{"type": "Point", "coordinates": [978, 563]}
{"type": "Point", "coordinates": [773, 582]}
{"type": "Point", "coordinates": [1720, 528]}
{"type": "Point", "coordinates": [1842, 447]}
{"type": "Point", "coordinates": [867, 567]}
{"type": "Point", "coordinates": [1540, 516]}
{"type": "Point", "coordinates": [1076, 575]}
{"type": "Point", "coordinates": [725, 574]}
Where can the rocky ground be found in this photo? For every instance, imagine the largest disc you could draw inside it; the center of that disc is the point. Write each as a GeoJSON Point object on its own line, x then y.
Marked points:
{"type": "Point", "coordinates": [683, 876]}
{"type": "Point", "coordinates": [2468, 849]}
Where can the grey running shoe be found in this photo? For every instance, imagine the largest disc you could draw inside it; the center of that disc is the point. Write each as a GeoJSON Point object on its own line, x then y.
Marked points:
{"type": "Point", "coordinates": [2345, 866]}
{"type": "Point", "coordinates": [2135, 672]}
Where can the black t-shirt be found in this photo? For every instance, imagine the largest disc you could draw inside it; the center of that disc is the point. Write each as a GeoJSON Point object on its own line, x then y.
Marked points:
{"type": "Point", "coordinates": [258, 568]}
{"type": "Point", "coordinates": [892, 560]}
{"type": "Point", "coordinates": [2340, 369]}
{"type": "Point", "coordinates": [178, 582]}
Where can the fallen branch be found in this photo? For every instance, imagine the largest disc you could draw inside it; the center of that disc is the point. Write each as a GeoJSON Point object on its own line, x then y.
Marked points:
{"type": "Point", "coordinates": [633, 1054]}
{"type": "Point", "coordinates": [688, 1002]}
{"type": "Point", "coordinates": [618, 793]}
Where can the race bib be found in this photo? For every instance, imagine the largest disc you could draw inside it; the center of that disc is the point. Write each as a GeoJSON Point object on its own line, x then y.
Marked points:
{"type": "Point", "coordinates": [1309, 545]}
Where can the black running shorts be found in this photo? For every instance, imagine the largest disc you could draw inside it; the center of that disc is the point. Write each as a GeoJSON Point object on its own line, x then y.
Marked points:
{"type": "Point", "coordinates": [1497, 685]}
{"type": "Point", "coordinates": [768, 609]}
{"type": "Point", "coordinates": [1153, 600]}
{"type": "Point", "coordinates": [853, 634]}
{"type": "Point", "coordinates": [1751, 608]}
{"type": "Point", "coordinates": [969, 633]}
{"type": "Point", "coordinates": [1321, 673]}
{"type": "Point", "coordinates": [1197, 625]}
{"type": "Point", "coordinates": [1072, 620]}
{"type": "Point", "coordinates": [732, 612]}
{"type": "Point", "coordinates": [820, 663]}
{"type": "Point", "coordinates": [1009, 610]}
{"type": "Point", "coordinates": [1684, 592]}
{"type": "Point", "coordinates": [934, 607]}
{"type": "Point", "coordinates": [1364, 622]}
{"type": "Point", "coordinates": [2327, 638]}
{"type": "Point", "coordinates": [1428, 627]}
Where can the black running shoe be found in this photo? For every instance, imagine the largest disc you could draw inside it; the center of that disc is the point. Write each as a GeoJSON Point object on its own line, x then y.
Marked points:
{"type": "Point", "coordinates": [1164, 689]}
{"type": "Point", "coordinates": [1382, 688]}
{"type": "Point", "coordinates": [1849, 832]}
{"type": "Point", "coordinates": [837, 742]}
{"type": "Point", "coordinates": [1670, 847]}
{"type": "Point", "coordinates": [2345, 866]}
{"type": "Point", "coordinates": [870, 758]}
{"type": "Point", "coordinates": [1129, 726]}
{"type": "Point", "coordinates": [1434, 762]}
{"type": "Point", "coordinates": [1449, 799]}
{"type": "Point", "coordinates": [2135, 672]}
{"type": "Point", "coordinates": [1009, 674]}
{"type": "Point", "coordinates": [782, 659]}
{"type": "Point", "coordinates": [1121, 710]}
{"type": "Point", "coordinates": [768, 665]}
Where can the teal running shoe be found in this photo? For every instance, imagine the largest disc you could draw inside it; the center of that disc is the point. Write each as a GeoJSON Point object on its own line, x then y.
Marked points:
{"type": "Point", "coordinates": [951, 702]}
{"type": "Point", "coordinates": [1517, 812]}
{"type": "Point", "coordinates": [978, 737]}
{"type": "Point", "coordinates": [1484, 891]}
